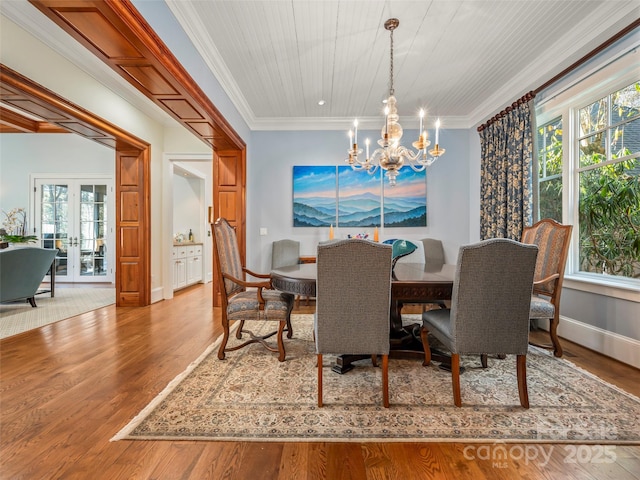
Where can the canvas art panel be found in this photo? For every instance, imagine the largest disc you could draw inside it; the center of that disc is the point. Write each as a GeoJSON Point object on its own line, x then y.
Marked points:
{"type": "Point", "coordinates": [314, 196]}
{"type": "Point", "coordinates": [405, 204]}
{"type": "Point", "coordinates": [359, 198]}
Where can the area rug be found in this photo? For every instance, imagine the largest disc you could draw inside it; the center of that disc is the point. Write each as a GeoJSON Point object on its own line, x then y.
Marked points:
{"type": "Point", "coordinates": [18, 317]}
{"type": "Point", "coordinates": [250, 396]}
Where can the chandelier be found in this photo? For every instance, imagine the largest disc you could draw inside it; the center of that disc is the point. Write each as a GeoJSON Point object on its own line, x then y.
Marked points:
{"type": "Point", "coordinates": [392, 156]}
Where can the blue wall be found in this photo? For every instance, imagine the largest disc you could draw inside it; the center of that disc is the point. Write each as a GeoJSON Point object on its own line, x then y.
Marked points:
{"type": "Point", "coordinates": [272, 155]}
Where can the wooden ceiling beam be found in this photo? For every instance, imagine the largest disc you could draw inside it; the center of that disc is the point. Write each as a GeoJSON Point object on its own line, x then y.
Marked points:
{"type": "Point", "coordinates": [117, 34]}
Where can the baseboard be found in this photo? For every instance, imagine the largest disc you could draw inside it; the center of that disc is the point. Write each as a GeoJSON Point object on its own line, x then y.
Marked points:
{"type": "Point", "coordinates": [624, 349]}
{"type": "Point", "coordinates": [157, 295]}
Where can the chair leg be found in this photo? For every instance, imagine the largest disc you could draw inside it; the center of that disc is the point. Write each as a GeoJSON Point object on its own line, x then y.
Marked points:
{"type": "Point", "coordinates": [225, 338]}
{"type": "Point", "coordinates": [455, 379]}
{"type": "Point", "coordinates": [553, 333]}
{"type": "Point", "coordinates": [483, 360]}
{"type": "Point", "coordinates": [425, 346]}
{"type": "Point", "coordinates": [239, 330]}
{"type": "Point", "coordinates": [319, 361]}
{"type": "Point", "coordinates": [32, 301]}
{"type": "Point", "coordinates": [374, 360]}
{"type": "Point", "coordinates": [289, 328]}
{"type": "Point", "coordinates": [385, 381]}
{"type": "Point", "coordinates": [281, 352]}
{"type": "Point", "coordinates": [522, 380]}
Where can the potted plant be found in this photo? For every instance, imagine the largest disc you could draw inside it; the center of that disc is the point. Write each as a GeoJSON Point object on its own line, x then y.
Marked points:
{"type": "Point", "coordinates": [14, 229]}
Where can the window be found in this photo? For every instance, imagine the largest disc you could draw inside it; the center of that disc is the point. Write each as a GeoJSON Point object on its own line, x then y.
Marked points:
{"type": "Point", "coordinates": [550, 170]}
{"type": "Point", "coordinates": [588, 145]}
{"type": "Point", "coordinates": [608, 170]}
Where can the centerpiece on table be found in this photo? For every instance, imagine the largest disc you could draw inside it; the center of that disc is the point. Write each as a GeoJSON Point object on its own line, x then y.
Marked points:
{"type": "Point", "coordinates": [14, 229]}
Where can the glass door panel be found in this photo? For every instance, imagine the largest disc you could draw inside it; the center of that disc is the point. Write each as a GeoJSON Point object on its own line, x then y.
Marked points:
{"type": "Point", "coordinates": [93, 219]}
{"type": "Point", "coordinates": [72, 217]}
{"type": "Point", "coordinates": [54, 224]}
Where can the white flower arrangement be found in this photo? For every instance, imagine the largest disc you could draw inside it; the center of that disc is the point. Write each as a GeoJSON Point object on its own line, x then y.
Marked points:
{"type": "Point", "coordinates": [15, 227]}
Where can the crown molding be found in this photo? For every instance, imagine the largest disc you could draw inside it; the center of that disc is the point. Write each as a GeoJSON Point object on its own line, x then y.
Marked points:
{"type": "Point", "coordinates": [601, 26]}
{"type": "Point", "coordinates": [197, 31]}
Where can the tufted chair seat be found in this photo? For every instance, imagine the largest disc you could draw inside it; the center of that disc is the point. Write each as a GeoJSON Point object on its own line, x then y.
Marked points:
{"type": "Point", "coordinates": [245, 304]}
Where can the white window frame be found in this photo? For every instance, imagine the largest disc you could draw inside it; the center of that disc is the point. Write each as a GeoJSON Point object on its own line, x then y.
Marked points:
{"type": "Point", "coordinates": [592, 86]}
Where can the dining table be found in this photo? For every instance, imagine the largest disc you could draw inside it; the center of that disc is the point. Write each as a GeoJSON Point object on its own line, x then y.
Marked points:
{"type": "Point", "coordinates": [411, 283]}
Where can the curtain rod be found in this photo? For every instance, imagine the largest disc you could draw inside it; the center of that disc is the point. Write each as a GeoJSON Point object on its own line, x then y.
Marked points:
{"type": "Point", "coordinates": [524, 99]}
{"type": "Point", "coordinates": [635, 24]}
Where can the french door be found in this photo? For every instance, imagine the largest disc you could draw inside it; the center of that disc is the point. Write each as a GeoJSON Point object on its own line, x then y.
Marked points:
{"type": "Point", "coordinates": [75, 216]}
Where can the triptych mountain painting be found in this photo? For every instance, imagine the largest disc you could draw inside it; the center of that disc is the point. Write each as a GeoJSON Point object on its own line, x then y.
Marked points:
{"type": "Point", "coordinates": [341, 196]}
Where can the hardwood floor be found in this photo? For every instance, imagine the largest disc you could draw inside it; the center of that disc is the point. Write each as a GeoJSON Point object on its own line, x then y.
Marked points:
{"type": "Point", "coordinates": [67, 388]}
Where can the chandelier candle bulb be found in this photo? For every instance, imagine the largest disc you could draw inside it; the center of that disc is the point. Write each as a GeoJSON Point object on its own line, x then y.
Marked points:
{"type": "Point", "coordinates": [366, 142]}
{"type": "Point", "coordinates": [355, 127]}
{"type": "Point", "coordinates": [437, 132]}
{"type": "Point", "coordinates": [421, 118]}
{"type": "Point", "coordinates": [386, 122]}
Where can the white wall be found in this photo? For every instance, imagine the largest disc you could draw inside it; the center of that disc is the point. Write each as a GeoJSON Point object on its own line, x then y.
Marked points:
{"type": "Point", "coordinates": [22, 154]}
{"type": "Point", "coordinates": [186, 206]}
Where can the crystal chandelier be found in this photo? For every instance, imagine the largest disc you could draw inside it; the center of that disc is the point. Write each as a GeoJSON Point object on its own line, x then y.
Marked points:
{"type": "Point", "coordinates": [391, 156]}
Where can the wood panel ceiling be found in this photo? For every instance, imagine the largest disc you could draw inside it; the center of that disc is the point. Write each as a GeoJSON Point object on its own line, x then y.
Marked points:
{"type": "Point", "coordinates": [14, 122]}
{"type": "Point", "coordinates": [45, 105]}
{"type": "Point", "coordinates": [117, 34]}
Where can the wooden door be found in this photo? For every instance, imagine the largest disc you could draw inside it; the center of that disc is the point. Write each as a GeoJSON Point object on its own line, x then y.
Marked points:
{"type": "Point", "coordinates": [229, 173]}
{"type": "Point", "coordinates": [132, 228]}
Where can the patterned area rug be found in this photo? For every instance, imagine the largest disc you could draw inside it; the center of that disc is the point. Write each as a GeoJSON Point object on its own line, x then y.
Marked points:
{"type": "Point", "coordinates": [18, 317]}
{"type": "Point", "coordinates": [251, 396]}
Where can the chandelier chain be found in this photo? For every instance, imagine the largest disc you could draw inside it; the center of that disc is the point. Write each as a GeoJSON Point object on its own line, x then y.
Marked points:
{"type": "Point", "coordinates": [391, 90]}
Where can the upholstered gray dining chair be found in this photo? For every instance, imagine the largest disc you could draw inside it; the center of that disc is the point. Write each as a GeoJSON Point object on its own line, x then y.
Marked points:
{"type": "Point", "coordinates": [244, 301]}
{"type": "Point", "coordinates": [433, 254]}
{"type": "Point", "coordinates": [285, 252]}
{"type": "Point", "coordinates": [353, 298]}
{"type": "Point", "coordinates": [489, 308]}
{"type": "Point", "coordinates": [433, 251]}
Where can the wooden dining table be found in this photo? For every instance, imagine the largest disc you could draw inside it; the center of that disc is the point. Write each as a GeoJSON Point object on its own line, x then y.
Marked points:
{"type": "Point", "coordinates": [410, 283]}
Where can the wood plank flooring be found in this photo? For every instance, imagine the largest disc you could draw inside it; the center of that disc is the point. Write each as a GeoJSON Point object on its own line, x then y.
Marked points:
{"type": "Point", "coordinates": [67, 388]}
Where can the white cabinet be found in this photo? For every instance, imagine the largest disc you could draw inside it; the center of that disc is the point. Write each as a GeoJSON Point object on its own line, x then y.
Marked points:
{"type": "Point", "coordinates": [187, 265]}
{"type": "Point", "coordinates": [194, 264]}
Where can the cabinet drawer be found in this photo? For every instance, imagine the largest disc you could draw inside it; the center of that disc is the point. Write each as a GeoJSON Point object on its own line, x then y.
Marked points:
{"type": "Point", "coordinates": [180, 252]}
{"type": "Point", "coordinates": [197, 250]}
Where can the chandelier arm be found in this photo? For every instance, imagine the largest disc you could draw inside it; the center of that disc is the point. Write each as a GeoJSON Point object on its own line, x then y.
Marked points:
{"type": "Point", "coordinates": [421, 168]}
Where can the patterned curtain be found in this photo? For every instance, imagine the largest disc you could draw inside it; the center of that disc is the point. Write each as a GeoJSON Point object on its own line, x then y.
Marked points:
{"type": "Point", "coordinates": [506, 183]}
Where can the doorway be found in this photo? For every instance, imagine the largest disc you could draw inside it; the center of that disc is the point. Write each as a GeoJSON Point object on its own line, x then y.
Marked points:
{"type": "Point", "coordinates": [75, 216]}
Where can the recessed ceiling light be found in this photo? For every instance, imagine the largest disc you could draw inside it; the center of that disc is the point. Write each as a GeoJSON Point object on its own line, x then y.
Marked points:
{"type": "Point", "coordinates": [321, 102]}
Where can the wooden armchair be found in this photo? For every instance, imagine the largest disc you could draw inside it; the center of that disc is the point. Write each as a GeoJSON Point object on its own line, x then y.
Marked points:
{"type": "Point", "coordinates": [247, 301]}
{"type": "Point", "coordinates": [552, 239]}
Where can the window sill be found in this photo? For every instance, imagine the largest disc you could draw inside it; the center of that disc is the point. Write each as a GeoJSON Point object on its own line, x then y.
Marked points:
{"type": "Point", "coordinates": [622, 289]}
